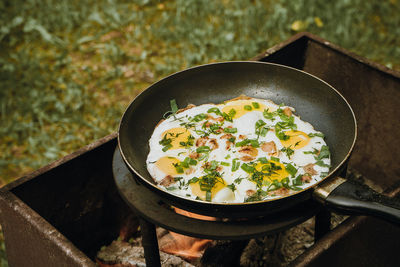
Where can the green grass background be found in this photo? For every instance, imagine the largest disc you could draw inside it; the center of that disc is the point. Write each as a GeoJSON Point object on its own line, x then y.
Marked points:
{"type": "Point", "coordinates": [69, 68]}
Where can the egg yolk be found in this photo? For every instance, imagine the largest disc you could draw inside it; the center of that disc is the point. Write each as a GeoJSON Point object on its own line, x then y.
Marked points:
{"type": "Point", "coordinates": [242, 107]}
{"type": "Point", "coordinates": [177, 135]}
{"type": "Point", "coordinates": [202, 194]}
{"type": "Point", "coordinates": [166, 165]}
{"type": "Point", "coordinates": [278, 174]}
{"type": "Point", "coordinates": [297, 139]}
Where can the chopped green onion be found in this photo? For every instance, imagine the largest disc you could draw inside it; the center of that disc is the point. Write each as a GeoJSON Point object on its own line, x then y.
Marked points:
{"type": "Point", "coordinates": [230, 130]}
{"type": "Point", "coordinates": [322, 164]}
{"type": "Point", "coordinates": [247, 168]}
{"type": "Point", "coordinates": [291, 169]}
{"type": "Point", "coordinates": [165, 148]}
{"type": "Point", "coordinates": [203, 149]}
{"type": "Point", "coordinates": [263, 160]}
{"type": "Point", "coordinates": [255, 105]}
{"type": "Point", "coordinates": [316, 134]}
{"type": "Point", "coordinates": [208, 195]}
{"type": "Point", "coordinates": [231, 187]}
{"type": "Point", "coordinates": [248, 107]}
{"type": "Point", "coordinates": [215, 110]}
{"type": "Point", "coordinates": [174, 106]}
{"type": "Point", "coordinates": [275, 159]}
{"type": "Point", "coordinates": [235, 165]}
{"type": "Point", "coordinates": [193, 180]}
{"type": "Point", "coordinates": [214, 164]}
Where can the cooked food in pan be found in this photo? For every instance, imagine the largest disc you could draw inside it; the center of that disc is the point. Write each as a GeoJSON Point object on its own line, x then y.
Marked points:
{"type": "Point", "coordinates": [241, 150]}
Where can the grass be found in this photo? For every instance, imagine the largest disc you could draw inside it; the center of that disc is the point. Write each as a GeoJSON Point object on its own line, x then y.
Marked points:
{"type": "Point", "coordinates": [69, 68]}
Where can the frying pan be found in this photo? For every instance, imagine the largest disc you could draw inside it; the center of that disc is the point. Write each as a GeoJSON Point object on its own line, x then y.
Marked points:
{"type": "Point", "coordinates": [314, 100]}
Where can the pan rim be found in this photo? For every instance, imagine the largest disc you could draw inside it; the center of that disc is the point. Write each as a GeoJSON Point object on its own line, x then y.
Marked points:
{"type": "Point", "coordinates": [223, 204]}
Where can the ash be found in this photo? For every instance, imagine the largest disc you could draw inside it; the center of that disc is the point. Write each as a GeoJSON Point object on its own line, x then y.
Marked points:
{"type": "Point", "coordinates": [272, 250]}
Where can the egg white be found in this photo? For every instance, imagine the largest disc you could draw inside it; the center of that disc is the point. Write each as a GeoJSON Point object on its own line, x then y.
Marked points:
{"type": "Point", "coordinates": [245, 126]}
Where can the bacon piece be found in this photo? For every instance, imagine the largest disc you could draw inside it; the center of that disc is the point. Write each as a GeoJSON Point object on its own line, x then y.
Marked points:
{"type": "Point", "coordinates": [207, 165]}
{"type": "Point", "coordinates": [228, 144]}
{"type": "Point", "coordinates": [287, 111]}
{"type": "Point", "coordinates": [250, 192]}
{"type": "Point", "coordinates": [167, 181]}
{"type": "Point", "coordinates": [269, 147]}
{"type": "Point", "coordinates": [201, 141]}
{"type": "Point", "coordinates": [226, 136]}
{"type": "Point", "coordinates": [219, 130]}
{"type": "Point", "coordinates": [214, 143]}
{"type": "Point", "coordinates": [242, 136]}
{"type": "Point", "coordinates": [306, 178]}
{"type": "Point", "coordinates": [247, 158]}
{"type": "Point", "coordinates": [219, 119]}
{"type": "Point", "coordinates": [249, 150]}
{"type": "Point", "coordinates": [283, 191]}
{"type": "Point", "coordinates": [194, 155]}
{"type": "Point", "coordinates": [309, 168]}
{"type": "Point", "coordinates": [207, 124]}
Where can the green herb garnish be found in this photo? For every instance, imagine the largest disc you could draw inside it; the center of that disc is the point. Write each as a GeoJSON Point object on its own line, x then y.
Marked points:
{"type": "Point", "coordinates": [316, 134]}
{"type": "Point", "coordinates": [275, 159]}
{"type": "Point", "coordinates": [289, 152]}
{"type": "Point", "coordinates": [203, 149]}
{"type": "Point", "coordinates": [247, 168]}
{"type": "Point", "coordinates": [230, 130]}
{"type": "Point", "coordinates": [235, 165]}
{"type": "Point", "coordinates": [215, 110]}
{"type": "Point", "coordinates": [291, 169]}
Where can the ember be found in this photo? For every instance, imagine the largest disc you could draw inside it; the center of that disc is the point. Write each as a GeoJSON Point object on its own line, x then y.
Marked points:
{"type": "Point", "coordinates": [189, 248]}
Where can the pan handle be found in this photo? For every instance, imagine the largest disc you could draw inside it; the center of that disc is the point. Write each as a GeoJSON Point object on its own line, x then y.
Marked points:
{"type": "Point", "coordinates": [352, 197]}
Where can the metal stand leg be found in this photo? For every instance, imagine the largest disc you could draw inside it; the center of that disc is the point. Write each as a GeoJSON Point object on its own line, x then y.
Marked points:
{"type": "Point", "coordinates": [322, 223]}
{"type": "Point", "coordinates": [150, 244]}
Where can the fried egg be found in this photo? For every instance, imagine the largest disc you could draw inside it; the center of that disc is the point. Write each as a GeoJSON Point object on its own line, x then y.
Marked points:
{"type": "Point", "coordinates": [244, 149]}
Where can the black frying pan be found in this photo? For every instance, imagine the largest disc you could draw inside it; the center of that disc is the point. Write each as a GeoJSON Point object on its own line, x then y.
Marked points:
{"type": "Point", "coordinates": [314, 100]}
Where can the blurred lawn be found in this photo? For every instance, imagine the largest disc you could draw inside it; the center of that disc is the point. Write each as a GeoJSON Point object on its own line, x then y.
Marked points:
{"type": "Point", "coordinates": [69, 68]}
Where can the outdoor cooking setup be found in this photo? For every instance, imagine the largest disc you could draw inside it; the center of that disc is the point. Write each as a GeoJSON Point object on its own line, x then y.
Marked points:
{"type": "Point", "coordinates": [65, 212]}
